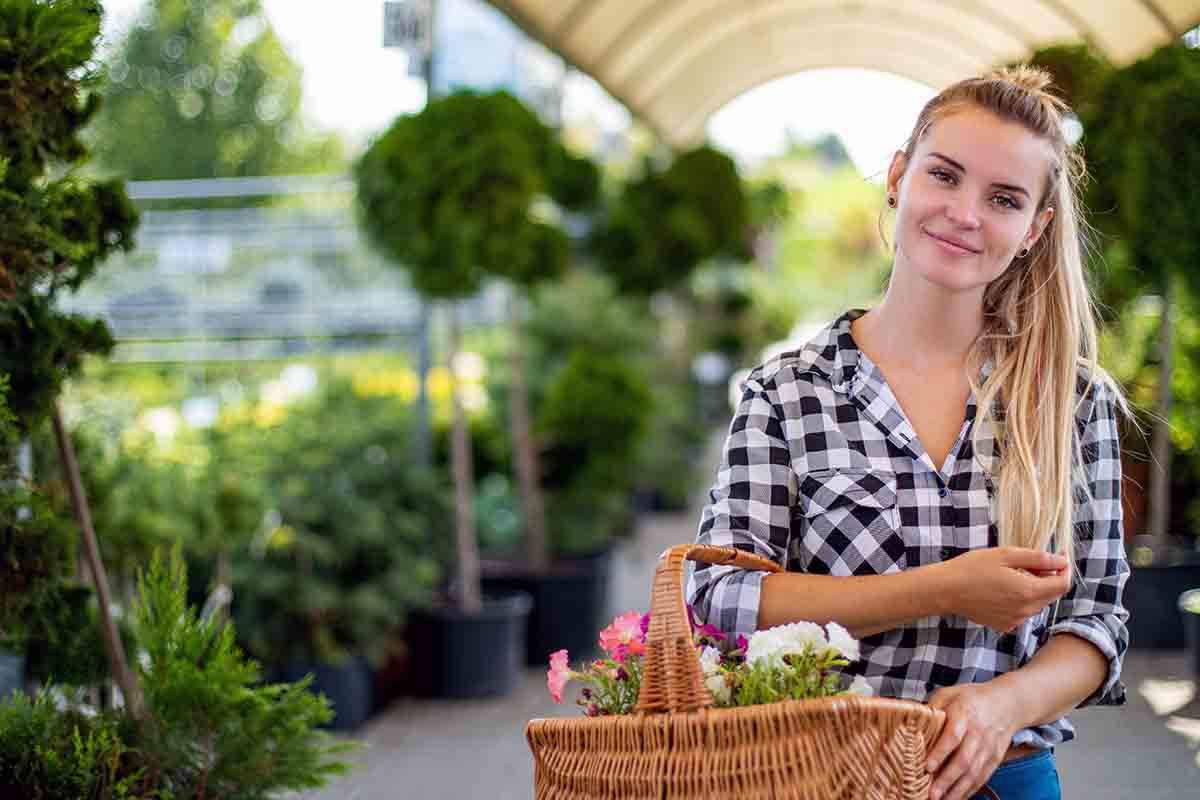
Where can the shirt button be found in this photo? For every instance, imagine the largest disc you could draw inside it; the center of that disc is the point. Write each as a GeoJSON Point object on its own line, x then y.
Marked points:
{"type": "Point", "coordinates": [942, 492]}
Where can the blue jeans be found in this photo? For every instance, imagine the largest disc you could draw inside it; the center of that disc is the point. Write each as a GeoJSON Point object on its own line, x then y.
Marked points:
{"type": "Point", "coordinates": [1032, 777]}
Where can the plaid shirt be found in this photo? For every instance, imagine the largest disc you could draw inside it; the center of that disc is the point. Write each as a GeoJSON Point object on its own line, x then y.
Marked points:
{"type": "Point", "coordinates": [823, 473]}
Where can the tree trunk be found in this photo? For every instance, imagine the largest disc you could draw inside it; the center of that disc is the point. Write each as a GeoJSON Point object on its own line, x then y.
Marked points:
{"type": "Point", "coordinates": [524, 453]}
{"type": "Point", "coordinates": [1160, 452]}
{"type": "Point", "coordinates": [112, 638]}
{"type": "Point", "coordinates": [469, 601]}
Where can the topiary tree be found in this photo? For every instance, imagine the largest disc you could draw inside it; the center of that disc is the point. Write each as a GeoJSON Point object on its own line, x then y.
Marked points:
{"type": "Point", "coordinates": [55, 229]}
{"type": "Point", "coordinates": [453, 193]}
{"type": "Point", "coordinates": [1145, 156]}
{"type": "Point", "coordinates": [664, 223]}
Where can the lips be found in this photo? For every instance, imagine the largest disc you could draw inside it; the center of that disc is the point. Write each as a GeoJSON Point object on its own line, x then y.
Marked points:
{"type": "Point", "coordinates": [953, 244]}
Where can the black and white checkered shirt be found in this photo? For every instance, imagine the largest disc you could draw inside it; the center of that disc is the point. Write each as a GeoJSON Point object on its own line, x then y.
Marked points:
{"type": "Point", "coordinates": [823, 473]}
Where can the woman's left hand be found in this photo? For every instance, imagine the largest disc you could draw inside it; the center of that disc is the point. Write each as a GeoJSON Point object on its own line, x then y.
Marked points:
{"type": "Point", "coordinates": [977, 734]}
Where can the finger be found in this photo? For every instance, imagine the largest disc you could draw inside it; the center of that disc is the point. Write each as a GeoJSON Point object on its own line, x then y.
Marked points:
{"type": "Point", "coordinates": [1033, 560]}
{"type": "Point", "coordinates": [952, 736]}
{"type": "Point", "coordinates": [956, 769]}
{"type": "Point", "coordinates": [966, 786]}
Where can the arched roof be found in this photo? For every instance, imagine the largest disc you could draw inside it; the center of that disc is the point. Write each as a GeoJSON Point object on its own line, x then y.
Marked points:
{"type": "Point", "coordinates": [674, 62]}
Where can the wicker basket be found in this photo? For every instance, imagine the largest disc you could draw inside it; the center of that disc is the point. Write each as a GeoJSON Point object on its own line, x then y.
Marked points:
{"type": "Point", "coordinates": [676, 745]}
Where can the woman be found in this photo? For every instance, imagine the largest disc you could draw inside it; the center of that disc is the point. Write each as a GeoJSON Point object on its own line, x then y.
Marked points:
{"type": "Point", "coordinates": [941, 474]}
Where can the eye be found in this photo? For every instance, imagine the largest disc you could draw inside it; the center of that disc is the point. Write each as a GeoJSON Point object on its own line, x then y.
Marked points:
{"type": "Point", "coordinates": [942, 176]}
{"type": "Point", "coordinates": [1007, 201]}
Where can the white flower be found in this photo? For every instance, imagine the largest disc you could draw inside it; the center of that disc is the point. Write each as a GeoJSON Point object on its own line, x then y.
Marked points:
{"type": "Point", "coordinates": [841, 640]}
{"type": "Point", "coordinates": [714, 679]}
{"type": "Point", "coordinates": [710, 661]}
{"type": "Point", "coordinates": [860, 686]}
{"type": "Point", "coordinates": [775, 643]}
{"type": "Point", "coordinates": [719, 688]}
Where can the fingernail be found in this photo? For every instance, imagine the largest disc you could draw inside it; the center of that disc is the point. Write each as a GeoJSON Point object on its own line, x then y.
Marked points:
{"type": "Point", "coordinates": [931, 766]}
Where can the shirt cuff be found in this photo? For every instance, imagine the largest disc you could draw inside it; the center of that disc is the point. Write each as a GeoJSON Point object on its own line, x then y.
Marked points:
{"type": "Point", "coordinates": [728, 599]}
{"type": "Point", "coordinates": [1093, 629]}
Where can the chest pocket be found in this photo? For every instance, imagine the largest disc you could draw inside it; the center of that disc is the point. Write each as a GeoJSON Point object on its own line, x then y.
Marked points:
{"type": "Point", "coordinates": [851, 524]}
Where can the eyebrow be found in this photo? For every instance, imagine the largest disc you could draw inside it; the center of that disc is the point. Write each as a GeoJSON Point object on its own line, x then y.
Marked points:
{"type": "Point", "coordinates": [1012, 187]}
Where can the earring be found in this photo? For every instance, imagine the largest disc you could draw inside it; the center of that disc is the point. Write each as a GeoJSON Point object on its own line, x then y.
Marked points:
{"type": "Point", "coordinates": [891, 201]}
{"type": "Point", "coordinates": [1024, 252]}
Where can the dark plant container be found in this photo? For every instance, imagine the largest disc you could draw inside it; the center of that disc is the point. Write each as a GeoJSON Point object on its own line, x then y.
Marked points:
{"type": "Point", "coordinates": [461, 655]}
{"type": "Point", "coordinates": [570, 601]}
{"type": "Point", "coordinates": [348, 685]}
{"type": "Point", "coordinates": [1189, 608]}
{"type": "Point", "coordinates": [1152, 598]}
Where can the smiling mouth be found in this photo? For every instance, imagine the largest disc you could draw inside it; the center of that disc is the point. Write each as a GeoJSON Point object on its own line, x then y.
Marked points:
{"type": "Point", "coordinates": [956, 248]}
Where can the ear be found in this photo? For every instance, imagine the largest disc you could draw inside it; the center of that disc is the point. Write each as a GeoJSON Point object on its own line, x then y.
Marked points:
{"type": "Point", "coordinates": [896, 172]}
{"type": "Point", "coordinates": [1039, 226]}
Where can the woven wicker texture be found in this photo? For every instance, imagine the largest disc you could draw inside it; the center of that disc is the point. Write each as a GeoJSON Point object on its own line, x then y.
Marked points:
{"type": "Point", "coordinates": [676, 745]}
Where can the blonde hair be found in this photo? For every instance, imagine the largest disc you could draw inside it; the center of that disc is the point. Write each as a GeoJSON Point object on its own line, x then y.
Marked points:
{"type": "Point", "coordinates": [1039, 327]}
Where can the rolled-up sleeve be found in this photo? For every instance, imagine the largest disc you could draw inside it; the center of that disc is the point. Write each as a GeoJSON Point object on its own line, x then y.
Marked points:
{"type": "Point", "coordinates": [749, 507]}
{"type": "Point", "coordinates": [1093, 609]}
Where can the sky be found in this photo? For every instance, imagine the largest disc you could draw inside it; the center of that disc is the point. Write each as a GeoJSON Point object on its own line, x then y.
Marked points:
{"type": "Point", "coordinates": [354, 85]}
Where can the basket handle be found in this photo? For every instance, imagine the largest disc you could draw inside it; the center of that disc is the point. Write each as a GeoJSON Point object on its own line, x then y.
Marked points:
{"type": "Point", "coordinates": [672, 679]}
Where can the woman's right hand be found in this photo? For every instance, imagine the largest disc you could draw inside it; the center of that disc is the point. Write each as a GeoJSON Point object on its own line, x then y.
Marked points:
{"type": "Point", "coordinates": [1001, 587]}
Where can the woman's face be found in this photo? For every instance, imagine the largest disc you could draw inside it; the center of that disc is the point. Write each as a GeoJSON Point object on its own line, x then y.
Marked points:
{"type": "Point", "coordinates": [968, 198]}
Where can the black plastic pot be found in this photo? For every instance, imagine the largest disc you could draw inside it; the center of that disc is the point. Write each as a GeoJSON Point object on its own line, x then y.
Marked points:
{"type": "Point", "coordinates": [1189, 608]}
{"type": "Point", "coordinates": [1152, 596]}
{"type": "Point", "coordinates": [348, 686]}
{"type": "Point", "coordinates": [478, 655]}
{"type": "Point", "coordinates": [569, 603]}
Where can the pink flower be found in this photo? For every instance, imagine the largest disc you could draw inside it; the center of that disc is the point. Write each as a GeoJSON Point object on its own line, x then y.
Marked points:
{"type": "Point", "coordinates": [558, 674]}
{"type": "Point", "coordinates": [625, 630]}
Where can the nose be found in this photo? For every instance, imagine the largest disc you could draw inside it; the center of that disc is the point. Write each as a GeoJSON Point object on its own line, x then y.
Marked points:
{"type": "Point", "coordinates": [962, 213]}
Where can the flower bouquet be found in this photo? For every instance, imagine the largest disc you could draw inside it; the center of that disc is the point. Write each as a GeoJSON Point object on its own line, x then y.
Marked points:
{"type": "Point", "coordinates": [799, 661]}
{"type": "Point", "coordinates": [673, 710]}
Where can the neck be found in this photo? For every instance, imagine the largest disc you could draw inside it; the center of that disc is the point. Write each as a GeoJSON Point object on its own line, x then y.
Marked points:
{"type": "Point", "coordinates": [922, 329]}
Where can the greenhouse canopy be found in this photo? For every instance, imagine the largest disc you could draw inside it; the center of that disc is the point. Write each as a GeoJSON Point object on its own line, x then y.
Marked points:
{"type": "Point", "coordinates": [675, 62]}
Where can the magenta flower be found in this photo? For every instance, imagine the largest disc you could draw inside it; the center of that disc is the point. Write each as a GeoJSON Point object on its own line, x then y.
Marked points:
{"type": "Point", "coordinates": [558, 674]}
{"type": "Point", "coordinates": [645, 625]}
{"type": "Point", "coordinates": [742, 642]}
{"type": "Point", "coordinates": [625, 630]}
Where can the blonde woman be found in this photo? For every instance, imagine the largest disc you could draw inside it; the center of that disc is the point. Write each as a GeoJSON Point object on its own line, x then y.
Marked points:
{"type": "Point", "coordinates": [941, 474]}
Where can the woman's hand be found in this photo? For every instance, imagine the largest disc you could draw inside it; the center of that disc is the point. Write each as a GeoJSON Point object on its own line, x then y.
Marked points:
{"type": "Point", "coordinates": [1001, 587]}
{"type": "Point", "coordinates": [977, 734]}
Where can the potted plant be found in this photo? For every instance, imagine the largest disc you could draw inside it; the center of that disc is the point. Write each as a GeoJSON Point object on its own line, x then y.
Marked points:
{"type": "Point", "coordinates": [349, 548]}
{"type": "Point", "coordinates": [578, 319]}
{"type": "Point", "coordinates": [433, 202]}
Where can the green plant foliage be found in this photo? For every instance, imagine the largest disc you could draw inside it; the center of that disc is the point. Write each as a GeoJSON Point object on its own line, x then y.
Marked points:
{"type": "Point", "coordinates": [361, 532]}
{"type": "Point", "coordinates": [590, 423]}
{"type": "Point", "coordinates": [211, 92]}
{"type": "Point", "coordinates": [212, 730]}
{"type": "Point", "coordinates": [1145, 155]}
{"type": "Point", "coordinates": [66, 644]}
{"type": "Point", "coordinates": [449, 193]}
{"type": "Point", "coordinates": [35, 546]}
{"type": "Point", "coordinates": [48, 754]}
{"type": "Point", "coordinates": [56, 226]}
{"type": "Point", "coordinates": [666, 222]}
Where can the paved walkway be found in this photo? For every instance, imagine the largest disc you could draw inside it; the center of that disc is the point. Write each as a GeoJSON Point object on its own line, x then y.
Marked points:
{"type": "Point", "coordinates": [476, 749]}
